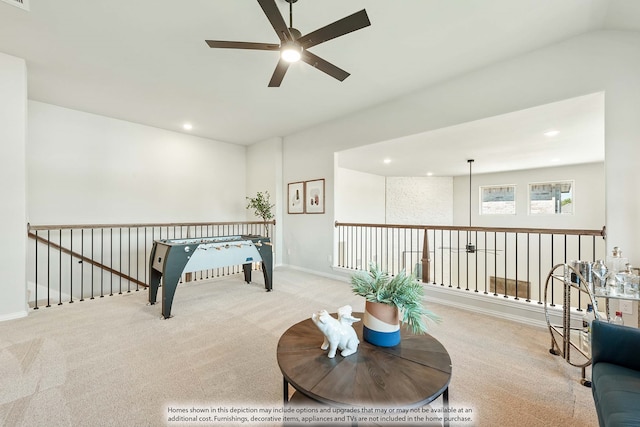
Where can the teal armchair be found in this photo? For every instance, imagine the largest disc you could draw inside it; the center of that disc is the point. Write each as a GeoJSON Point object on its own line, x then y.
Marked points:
{"type": "Point", "coordinates": [615, 374]}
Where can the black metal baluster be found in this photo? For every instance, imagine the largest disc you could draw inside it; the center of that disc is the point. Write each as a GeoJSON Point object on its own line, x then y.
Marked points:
{"type": "Point", "coordinates": [432, 261]}
{"type": "Point", "coordinates": [120, 260]}
{"type": "Point", "coordinates": [48, 268]}
{"type": "Point", "coordinates": [129, 258]}
{"type": "Point", "coordinates": [435, 247]}
{"type": "Point", "coordinates": [486, 271]}
{"type": "Point", "coordinates": [450, 260]}
{"type": "Point", "coordinates": [137, 258]}
{"type": "Point", "coordinates": [82, 265]}
{"type": "Point", "coordinates": [485, 255]}
{"type": "Point", "coordinates": [92, 258]}
{"type": "Point", "coordinates": [111, 260]}
{"type": "Point", "coordinates": [495, 264]}
{"type": "Point", "coordinates": [505, 265]}
{"type": "Point", "coordinates": [458, 246]}
{"type": "Point", "coordinates": [553, 281]}
{"type": "Point", "coordinates": [146, 256]}
{"type": "Point", "coordinates": [528, 269]}
{"type": "Point", "coordinates": [101, 262]}
{"type": "Point", "coordinates": [516, 263]}
{"type": "Point", "coordinates": [71, 265]}
{"type": "Point", "coordinates": [412, 263]}
{"type": "Point", "coordinates": [467, 260]}
{"type": "Point", "coordinates": [585, 278]}
{"type": "Point", "coordinates": [540, 269]}
{"type": "Point", "coordinates": [361, 231]}
{"type": "Point", "coordinates": [341, 253]}
{"type": "Point", "coordinates": [35, 306]}
{"type": "Point", "coordinates": [60, 267]}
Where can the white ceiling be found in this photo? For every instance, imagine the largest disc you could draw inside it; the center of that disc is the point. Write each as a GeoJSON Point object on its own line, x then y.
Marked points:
{"type": "Point", "coordinates": [146, 61]}
{"type": "Point", "coordinates": [503, 143]}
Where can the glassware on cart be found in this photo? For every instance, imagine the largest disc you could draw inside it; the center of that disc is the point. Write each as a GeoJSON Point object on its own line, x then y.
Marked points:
{"type": "Point", "coordinates": [600, 274]}
{"type": "Point", "coordinates": [635, 286]}
{"type": "Point", "coordinates": [616, 263]}
{"type": "Point", "coordinates": [583, 269]}
{"type": "Point", "coordinates": [615, 285]}
{"type": "Point", "coordinates": [629, 282]}
{"type": "Point", "coordinates": [616, 266]}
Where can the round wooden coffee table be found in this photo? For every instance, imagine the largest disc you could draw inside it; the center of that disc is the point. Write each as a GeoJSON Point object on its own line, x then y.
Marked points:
{"type": "Point", "coordinates": [411, 374]}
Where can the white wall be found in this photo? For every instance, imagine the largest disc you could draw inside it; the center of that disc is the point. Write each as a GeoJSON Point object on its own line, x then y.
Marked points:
{"type": "Point", "coordinates": [599, 61]}
{"type": "Point", "coordinates": [85, 168]}
{"type": "Point", "coordinates": [13, 214]}
{"type": "Point", "coordinates": [420, 200]}
{"type": "Point", "coordinates": [589, 194]}
{"type": "Point", "coordinates": [264, 173]}
{"type": "Point", "coordinates": [360, 197]}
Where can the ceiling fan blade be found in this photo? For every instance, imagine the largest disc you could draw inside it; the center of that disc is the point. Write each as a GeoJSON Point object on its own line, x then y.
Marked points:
{"type": "Point", "coordinates": [242, 45]}
{"type": "Point", "coordinates": [275, 18]}
{"type": "Point", "coordinates": [339, 28]}
{"type": "Point", "coordinates": [279, 73]}
{"type": "Point", "coordinates": [322, 65]}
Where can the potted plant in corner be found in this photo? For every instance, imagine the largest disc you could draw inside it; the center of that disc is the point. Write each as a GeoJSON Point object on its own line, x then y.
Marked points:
{"type": "Point", "coordinates": [389, 301]}
{"type": "Point", "coordinates": [261, 205]}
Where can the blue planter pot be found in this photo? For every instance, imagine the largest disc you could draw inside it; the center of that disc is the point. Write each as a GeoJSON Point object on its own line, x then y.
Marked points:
{"type": "Point", "coordinates": [381, 325]}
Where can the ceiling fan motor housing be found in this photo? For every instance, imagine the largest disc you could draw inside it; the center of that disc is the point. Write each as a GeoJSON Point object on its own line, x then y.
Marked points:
{"type": "Point", "coordinates": [295, 33]}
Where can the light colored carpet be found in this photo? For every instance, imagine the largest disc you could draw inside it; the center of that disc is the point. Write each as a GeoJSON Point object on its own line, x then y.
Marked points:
{"type": "Point", "coordinates": [114, 362]}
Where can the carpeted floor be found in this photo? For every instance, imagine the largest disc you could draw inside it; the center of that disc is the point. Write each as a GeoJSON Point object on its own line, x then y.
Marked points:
{"type": "Point", "coordinates": [114, 362]}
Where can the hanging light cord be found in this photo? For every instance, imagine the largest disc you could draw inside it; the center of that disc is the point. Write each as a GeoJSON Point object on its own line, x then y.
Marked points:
{"type": "Point", "coordinates": [470, 161]}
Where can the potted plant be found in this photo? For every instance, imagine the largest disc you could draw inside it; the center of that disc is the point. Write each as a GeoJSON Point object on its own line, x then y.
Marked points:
{"type": "Point", "coordinates": [389, 301]}
{"type": "Point", "coordinates": [262, 207]}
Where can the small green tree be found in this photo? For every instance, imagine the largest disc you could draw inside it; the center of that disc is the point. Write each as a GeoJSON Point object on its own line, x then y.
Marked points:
{"type": "Point", "coordinates": [262, 207]}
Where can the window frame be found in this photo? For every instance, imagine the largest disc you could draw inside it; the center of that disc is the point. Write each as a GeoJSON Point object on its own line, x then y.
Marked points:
{"type": "Point", "coordinates": [557, 211]}
{"type": "Point", "coordinates": [481, 203]}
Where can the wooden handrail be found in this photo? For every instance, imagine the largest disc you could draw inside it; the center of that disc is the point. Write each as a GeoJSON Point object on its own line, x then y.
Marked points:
{"type": "Point", "coordinates": [571, 232]}
{"type": "Point", "coordinates": [85, 259]}
{"type": "Point", "coordinates": [141, 225]}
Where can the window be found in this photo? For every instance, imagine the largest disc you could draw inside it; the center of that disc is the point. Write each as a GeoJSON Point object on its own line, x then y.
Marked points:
{"type": "Point", "coordinates": [548, 198]}
{"type": "Point", "coordinates": [498, 200]}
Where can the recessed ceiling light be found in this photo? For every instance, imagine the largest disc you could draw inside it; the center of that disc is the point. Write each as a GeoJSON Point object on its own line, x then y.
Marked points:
{"type": "Point", "coordinates": [187, 126]}
{"type": "Point", "coordinates": [429, 173]}
{"type": "Point", "coordinates": [387, 161]}
{"type": "Point", "coordinates": [551, 133]}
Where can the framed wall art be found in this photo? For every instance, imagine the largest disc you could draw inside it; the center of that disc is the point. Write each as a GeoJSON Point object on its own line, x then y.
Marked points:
{"type": "Point", "coordinates": [295, 198]}
{"type": "Point", "coordinates": [314, 196]}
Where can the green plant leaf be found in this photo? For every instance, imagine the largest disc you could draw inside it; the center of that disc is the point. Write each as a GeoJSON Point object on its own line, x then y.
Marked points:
{"type": "Point", "coordinates": [403, 291]}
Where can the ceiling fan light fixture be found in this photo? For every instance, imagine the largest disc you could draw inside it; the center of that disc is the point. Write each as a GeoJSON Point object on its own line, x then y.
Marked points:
{"type": "Point", "coordinates": [291, 52]}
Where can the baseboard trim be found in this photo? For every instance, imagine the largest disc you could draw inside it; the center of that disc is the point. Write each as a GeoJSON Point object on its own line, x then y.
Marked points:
{"type": "Point", "coordinates": [13, 316]}
{"type": "Point", "coordinates": [340, 277]}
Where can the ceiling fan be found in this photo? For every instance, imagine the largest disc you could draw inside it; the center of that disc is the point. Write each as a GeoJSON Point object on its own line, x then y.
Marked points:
{"type": "Point", "coordinates": [294, 46]}
{"type": "Point", "coordinates": [470, 248]}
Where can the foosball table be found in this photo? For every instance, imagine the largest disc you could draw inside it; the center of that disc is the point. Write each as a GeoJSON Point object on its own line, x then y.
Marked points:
{"type": "Point", "coordinates": [171, 258]}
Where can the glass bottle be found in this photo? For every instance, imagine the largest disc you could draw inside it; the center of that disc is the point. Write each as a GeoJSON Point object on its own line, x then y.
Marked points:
{"type": "Point", "coordinates": [585, 334]}
{"type": "Point", "coordinates": [618, 319]}
{"type": "Point", "coordinates": [616, 262]}
{"type": "Point", "coordinates": [600, 273]}
{"type": "Point", "coordinates": [631, 283]}
{"type": "Point", "coordinates": [626, 282]}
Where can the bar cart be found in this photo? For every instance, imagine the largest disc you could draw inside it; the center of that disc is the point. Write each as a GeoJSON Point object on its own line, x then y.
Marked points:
{"type": "Point", "coordinates": [567, 339]}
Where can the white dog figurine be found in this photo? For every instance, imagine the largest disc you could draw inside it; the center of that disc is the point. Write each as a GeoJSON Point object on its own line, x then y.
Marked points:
{"type": "Point", "coordinates": [338, 333]}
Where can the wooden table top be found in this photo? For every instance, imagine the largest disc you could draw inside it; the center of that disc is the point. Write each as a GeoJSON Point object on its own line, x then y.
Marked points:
{"type": "Point", "coordinates": [411, 374]}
